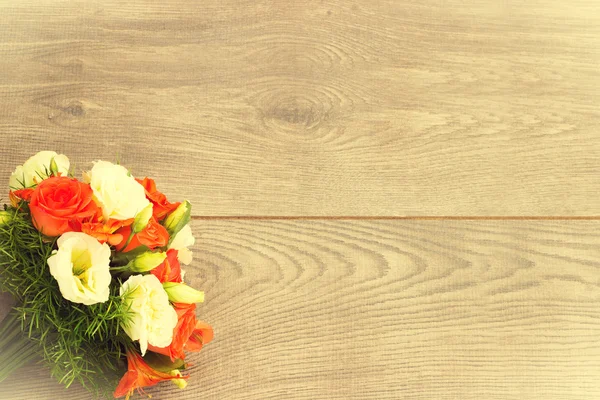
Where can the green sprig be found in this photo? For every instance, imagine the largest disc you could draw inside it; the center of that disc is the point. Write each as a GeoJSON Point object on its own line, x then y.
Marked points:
{"type": "Point", "coordinates": [79, 343]}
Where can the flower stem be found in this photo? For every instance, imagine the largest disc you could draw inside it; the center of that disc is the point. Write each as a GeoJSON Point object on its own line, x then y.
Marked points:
{"type": "Point", "coordinates": [16, 349]}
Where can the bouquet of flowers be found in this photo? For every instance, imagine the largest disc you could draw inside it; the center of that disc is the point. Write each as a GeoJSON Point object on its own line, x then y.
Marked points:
{"type": "Point", "coordinates": [94, 267]}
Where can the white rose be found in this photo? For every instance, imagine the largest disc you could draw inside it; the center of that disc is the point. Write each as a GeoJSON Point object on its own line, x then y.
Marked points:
{"type": "Point", "coordinates": [153, 317]}
{"type": "Point", "coordinates": [181, 242]}
{"type": "Point", "coordinates": [81, 267]}
{"type": "Point", "coordinates": [37, 168]}
{"type": "Point", "coordinates": [117, 192]}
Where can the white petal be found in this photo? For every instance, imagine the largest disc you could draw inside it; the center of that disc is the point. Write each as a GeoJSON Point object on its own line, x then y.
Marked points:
{"type": "Point", "coordinates": [154, 318]}
{"type": "Point", "coordinates": [91, 262]}
{"type": "Point", "coordinates": [183, 239]}
{"type": "Point", "coordinates": [185, 256]}
{"type": "Point", "coordinates": [118, 194]}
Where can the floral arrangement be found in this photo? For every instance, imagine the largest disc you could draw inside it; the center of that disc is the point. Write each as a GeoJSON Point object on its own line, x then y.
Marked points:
{"type": "Point", "coordinates": [94, 267]}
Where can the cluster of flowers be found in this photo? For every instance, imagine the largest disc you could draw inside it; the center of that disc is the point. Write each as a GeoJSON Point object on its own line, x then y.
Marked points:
{"type": "Point", "coordinates": [109, 215]}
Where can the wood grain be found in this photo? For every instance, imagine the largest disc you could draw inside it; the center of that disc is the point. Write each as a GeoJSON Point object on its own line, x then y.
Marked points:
{"type": "Point", "coordinates": [389, 310]}
{"type": "Point", "coordinates": [322, 108]}
{"type": "Point", "coordinates": [318, 107]}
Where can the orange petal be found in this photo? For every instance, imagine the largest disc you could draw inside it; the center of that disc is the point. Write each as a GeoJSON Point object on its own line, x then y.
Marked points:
{"type": "Point", "coordinates": [203, 334]}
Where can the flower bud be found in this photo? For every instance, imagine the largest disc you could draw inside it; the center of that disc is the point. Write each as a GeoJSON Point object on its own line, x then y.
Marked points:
{"type": "Point", "coordinates": [178, 218]}
{"type": "Point", "coordinates": [53, 167]}
{"type": "Point", "coordinates": [182, 293]}
{"type": "Point", "coordinates": [142, 218]}
{"type": "Point", "coordinates": [5, 217]}
{"type": "Point", "coordinates": [146, 262]}
{"type": "Point", "coordinates": [180, 383]}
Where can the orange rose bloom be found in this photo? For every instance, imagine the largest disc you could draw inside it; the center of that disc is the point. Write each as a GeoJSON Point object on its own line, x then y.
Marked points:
{"type": "Point", "coordinates": [186, 323]}
{"type": "Point", "coordinates": [152, 236]}
{"type": "Point", "coordinates": [139, 375]}
{"type": "Point", "coordinates": [160, 205]}
{"type": "Point", "coordinates": [170, 269]}
{"type": "Point", "coordinates": [58, 201]}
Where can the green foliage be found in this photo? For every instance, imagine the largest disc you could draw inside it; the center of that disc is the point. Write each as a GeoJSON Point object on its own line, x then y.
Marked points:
{"type": "Point", "coordinates": [79, 343]}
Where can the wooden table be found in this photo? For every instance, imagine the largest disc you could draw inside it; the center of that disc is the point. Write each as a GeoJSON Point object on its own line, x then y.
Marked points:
{"type": "Point", "coordinates": [392, 199]}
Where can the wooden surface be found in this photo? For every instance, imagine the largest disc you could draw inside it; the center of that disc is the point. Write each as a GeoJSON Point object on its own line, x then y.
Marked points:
{"type": "Point", "coordinates": [332, 108]}
{"type": "Point", "coordinates": [390, 310]}
{"type": "Point", "coordinates": [317, 107]}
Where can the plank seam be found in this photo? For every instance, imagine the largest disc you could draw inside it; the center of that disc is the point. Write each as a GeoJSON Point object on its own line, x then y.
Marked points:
{"type": "Point", "coordinates": [401, 218]}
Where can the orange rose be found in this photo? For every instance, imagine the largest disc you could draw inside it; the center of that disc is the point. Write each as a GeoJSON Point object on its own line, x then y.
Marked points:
{"type": "Point", "coordinates": [152, 236]}
{"type": "Point", "coordinates": [160, 205]}
{"type": "Point", "coordinates": [58, 202]}
{"type": "Point", "coordinates": [186, 323]}
{"type": "Point", "coordinates": [170, 269]}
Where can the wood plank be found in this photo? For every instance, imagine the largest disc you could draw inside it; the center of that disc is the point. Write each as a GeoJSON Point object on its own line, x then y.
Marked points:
{"type": "Point", "coordinates": [390, 310]}
{"type": "Point", "coordinates": [318, 107]}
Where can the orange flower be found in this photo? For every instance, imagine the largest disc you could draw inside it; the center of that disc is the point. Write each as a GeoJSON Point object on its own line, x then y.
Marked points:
{"type": "Point", "coordinates": [16, 196]}
{"type": "Point", "coordinates": [160, 205]}
{"type": "Point", "coordinates": [152, 236]}
{"type": "Point", "coordinates": [203, 334]}
{"type": "Point", "coordinates": [59, 201]}
{"type": "Point", "coordinates": [186, 323]}
{"type": "Point", "coordinates": [105, 232]}
{"type": "Point", "coordinates": [170, 269]}
{"type": "Point", "coordinates": [139, 375]}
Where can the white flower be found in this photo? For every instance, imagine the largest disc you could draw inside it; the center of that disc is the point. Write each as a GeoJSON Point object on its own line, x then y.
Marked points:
{"type": "Point", "coordinates": [81, 267]}
{"type": "Point", "coordinates": [181, 242]}
{"type": "Point", "coordinates": [153, 317]}
{"type": "Point", "coordinates": [37, 168]}
{"type": "Point", "coordinates": [117, 192]}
